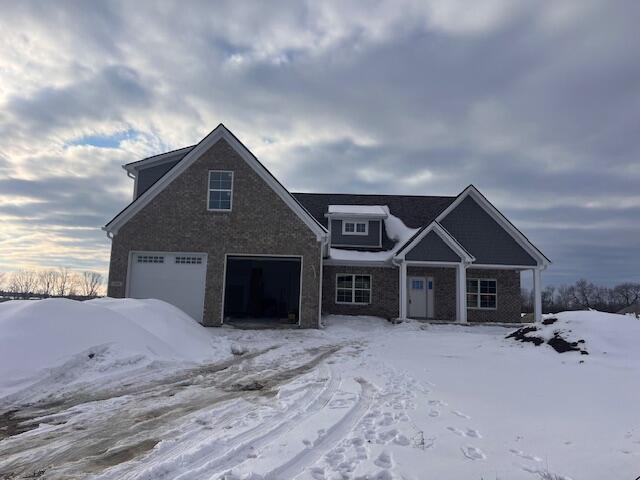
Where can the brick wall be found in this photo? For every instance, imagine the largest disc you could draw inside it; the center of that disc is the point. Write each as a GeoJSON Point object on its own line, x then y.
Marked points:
{"type": "Point", "coordinates": [508, 301]}
{"type": "Point", "coordinates": [177, 219]}
{"type": "Point", "coordinates": [384, 292]}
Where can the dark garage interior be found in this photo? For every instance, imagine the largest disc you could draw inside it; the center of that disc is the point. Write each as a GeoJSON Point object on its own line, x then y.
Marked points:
{"type": "Point", "coordinates": [262, 288]}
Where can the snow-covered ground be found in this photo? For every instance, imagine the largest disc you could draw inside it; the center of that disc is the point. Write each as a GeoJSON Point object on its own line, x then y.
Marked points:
{"type": "Point", "coordinates": [163, 398]}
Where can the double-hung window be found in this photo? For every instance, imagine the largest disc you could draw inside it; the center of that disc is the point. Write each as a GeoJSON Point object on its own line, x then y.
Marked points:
{"type": "Point", "coordinates": [482, 294]}
{"type": "Point", "coordinates": [354, 289]}
{"type": "Point", "coordinates": [220, 192]}
{"type": "Point", "coordinates": [355, 228]}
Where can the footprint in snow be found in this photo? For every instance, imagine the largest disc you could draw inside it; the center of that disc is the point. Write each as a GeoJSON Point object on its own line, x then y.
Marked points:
{"type": "Point", "coordinates": [384, 460]}
{"type": "Point", "coordinates": [401, 440]}
{"type": "Point", "coordinates": [526, 456]}
{"type": "Point", "coordinates": [317, 473]}
{"type": "Point", "coordinates": [437, 403]}
{"type": "Point", "coordinates": [460, 414]}
{"type": "Point", "coordinates": [473, 433]}
{"type": "Point", "coordinates": [458, 432]}
{"type": "Point", "coordinates": [473, 453]}
{"type": "Point", "coordinates": [434, 413]}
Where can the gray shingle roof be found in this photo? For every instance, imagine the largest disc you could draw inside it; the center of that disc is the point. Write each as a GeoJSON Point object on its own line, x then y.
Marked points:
{"type": "Point", "coordinates": [414, 210]}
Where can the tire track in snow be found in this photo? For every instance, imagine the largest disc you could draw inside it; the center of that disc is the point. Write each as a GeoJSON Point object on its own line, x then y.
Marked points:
{"type": "Point", "coordinates": [333, 435]}
{"type": "Point", "coordinates": [259, 437]}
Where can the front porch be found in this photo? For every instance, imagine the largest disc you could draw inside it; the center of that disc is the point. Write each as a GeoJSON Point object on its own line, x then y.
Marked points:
{"type": "Point", "coordinates": [459, 292]}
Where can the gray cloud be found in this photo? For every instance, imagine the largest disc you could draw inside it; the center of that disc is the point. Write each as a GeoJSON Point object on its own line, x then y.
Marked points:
{"type": "Point", "coordinates": [537, 105]}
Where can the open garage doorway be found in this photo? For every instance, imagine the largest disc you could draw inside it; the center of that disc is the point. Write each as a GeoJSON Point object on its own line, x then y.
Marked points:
{"type": "Point", "coordinates": [263, 288]}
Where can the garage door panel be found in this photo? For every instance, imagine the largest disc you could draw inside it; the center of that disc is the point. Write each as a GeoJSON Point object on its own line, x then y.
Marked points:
{"type": "Point", "coordinates": [176, 278]}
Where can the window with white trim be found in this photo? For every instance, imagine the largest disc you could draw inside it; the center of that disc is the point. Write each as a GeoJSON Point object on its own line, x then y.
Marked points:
{"type": "Point", "coordinates": [353, 289]}
{"type": "Point", "coordinates": [482, 293]}
{"type": "Point", "coordinates": [220, 193]}
{"type": "Point", "coordinates": [355, 228]}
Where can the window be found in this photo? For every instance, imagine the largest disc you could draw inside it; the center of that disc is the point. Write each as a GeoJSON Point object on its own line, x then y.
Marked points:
{"type": "Point", "coordinates": [482, 294]}
{"type": "Point", "coordinates": [150, 259]}
{"type": "Point", "coordinates": [417, 284]}
{"type": "Point", "coordinates": [354, 289]}
{"type": "Point", "coordinates": [189, 260]}
{"type": "Point", "coordinates": [355, 228]}
{"type": "Point", "coordinates": [220, 190]}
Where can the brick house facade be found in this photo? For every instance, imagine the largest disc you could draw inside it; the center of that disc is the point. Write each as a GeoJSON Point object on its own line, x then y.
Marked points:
{"type": "Point", "coordinates": [268, 254]}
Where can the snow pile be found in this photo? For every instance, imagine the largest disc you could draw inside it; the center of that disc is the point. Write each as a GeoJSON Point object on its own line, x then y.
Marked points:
{"type": "Point", "coordinates": [396, 230]}
{"type": "Point", "coordinates": [587, 332]}
{"type": "Point", "coordinates": [381, 210]}
{"type": "Point", "coordinates": [95, 338]}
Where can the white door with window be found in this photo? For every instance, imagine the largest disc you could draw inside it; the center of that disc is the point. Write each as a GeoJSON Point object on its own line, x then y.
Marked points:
{"type": "Point", "coordinates": [417, 297]}
{"type": "Point", "coordinates": [420, 297]}
{"type": "Point", "coordinates": [176, 278]}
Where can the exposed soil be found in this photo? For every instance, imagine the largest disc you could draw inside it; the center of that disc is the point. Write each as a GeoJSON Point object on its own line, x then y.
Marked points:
{"type": "Point", "coordinates": [557, 342]}
{"type": "Point", "coordinates": [521, 335]}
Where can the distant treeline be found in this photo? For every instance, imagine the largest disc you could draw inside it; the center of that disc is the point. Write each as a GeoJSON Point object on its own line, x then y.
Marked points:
{"type": "Point", "coordinates": [584, 295]}
{"type": "Point", "coordinates": [61, 282]}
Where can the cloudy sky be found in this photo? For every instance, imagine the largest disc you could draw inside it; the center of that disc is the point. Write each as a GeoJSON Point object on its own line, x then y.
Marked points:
{"type": "Point", "coordinates": [536, 103]}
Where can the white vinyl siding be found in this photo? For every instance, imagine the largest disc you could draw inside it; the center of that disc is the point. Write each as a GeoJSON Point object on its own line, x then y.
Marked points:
{"type": "Point", "coordinates": [353, 289]}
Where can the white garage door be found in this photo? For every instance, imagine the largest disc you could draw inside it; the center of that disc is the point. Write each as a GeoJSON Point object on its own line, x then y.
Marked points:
{"type": "Point", "coordinates": [176, 278]}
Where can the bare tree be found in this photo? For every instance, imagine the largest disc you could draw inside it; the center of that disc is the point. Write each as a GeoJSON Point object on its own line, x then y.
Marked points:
{"type": "Point", "coordinates": [63, 282]}
{"type": "Point", "coordinates": [548, 298]}
{"type": "Point", "coordinates": [564, 298]}
{"type": "Point", "coordinates": [90, 282]}
{"type": "Point", "coordinates": [23, 281]}
{"type": "Point", "coordinates": [47, 280]}
{"type": "Point", "coordinates": [74, 284]}
{"type": "Point", "coordinates": [585, 294]}
{"type": "Point", "coordinates": [3, 279]}
{"type": "Point", "coordinates": [627, 294]}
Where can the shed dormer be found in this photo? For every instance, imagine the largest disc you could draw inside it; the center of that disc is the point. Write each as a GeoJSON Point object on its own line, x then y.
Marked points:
{"type": "Point", "coordinates": [356, 226]}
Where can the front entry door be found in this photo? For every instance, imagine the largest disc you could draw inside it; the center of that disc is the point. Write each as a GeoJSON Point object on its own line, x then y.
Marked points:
{"type": "Point", "coordinates": [417, 297]}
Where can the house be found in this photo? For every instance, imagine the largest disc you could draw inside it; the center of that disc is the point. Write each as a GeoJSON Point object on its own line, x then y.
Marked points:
{"type": "Point", "coordinates": [213, 232]}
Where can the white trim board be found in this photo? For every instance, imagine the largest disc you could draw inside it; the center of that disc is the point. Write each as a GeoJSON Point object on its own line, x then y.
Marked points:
{"type": "Point", "coordinates": [220, 132]}
{"type": "Point", "coordinates": [494, 213]}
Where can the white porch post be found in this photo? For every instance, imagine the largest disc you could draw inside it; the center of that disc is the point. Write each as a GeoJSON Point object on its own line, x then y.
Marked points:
{"type": "Point", "coordinates": [403, 290]}
{"type": "Point", "coordinates": [537, 296]}
{"type": "Point", "coordinates": [461, 293]}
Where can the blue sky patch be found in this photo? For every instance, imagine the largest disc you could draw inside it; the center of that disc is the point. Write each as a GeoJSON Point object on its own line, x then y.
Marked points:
{"type": "Point", "coordinates": [105, 141]}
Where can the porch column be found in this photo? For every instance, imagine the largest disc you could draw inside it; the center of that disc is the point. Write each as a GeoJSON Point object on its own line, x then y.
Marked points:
{"type": "Point", "coordinates": [403, 290]}
{"type": "Point", "coordinates": [461, 293]}
{"type": "Point", "coordinates": [537, 296]}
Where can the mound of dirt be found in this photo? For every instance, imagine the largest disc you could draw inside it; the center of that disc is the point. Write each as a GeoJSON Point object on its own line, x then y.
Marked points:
{"type": "Point", "coordinates": [558, 342]}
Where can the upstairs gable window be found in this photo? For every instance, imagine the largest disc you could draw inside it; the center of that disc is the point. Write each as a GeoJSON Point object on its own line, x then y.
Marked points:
{"type": "Point", "coordinates": [355, 228]}
{"type": "Point", "coordinates": [220, 192]}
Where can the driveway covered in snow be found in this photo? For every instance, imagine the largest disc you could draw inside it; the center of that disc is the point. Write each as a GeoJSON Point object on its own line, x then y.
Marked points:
{"type": "Point", "coordinates": [360, 399]}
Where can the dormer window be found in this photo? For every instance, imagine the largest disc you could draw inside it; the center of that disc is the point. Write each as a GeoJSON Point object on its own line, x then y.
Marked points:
{"type": "Point", "coordinates": [220, 192]}
{"type": "Point", "coordinates": [355, 228]}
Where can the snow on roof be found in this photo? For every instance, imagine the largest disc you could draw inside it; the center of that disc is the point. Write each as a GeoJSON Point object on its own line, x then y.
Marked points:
{"type": "Point", "coordinates": [378, 210]}
{"type": "Point", "coordinates": [396, 230]}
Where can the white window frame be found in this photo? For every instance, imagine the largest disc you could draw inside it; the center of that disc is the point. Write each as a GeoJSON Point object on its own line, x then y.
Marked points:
{"type": "Point", "coordinates": [355, 227]}
{"type": "Point", "coordinates": [209, 190]}
{"type": "Point", "coordinates": [477, 295]}
{"type": "Point", "coordinates": [353, 288]}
